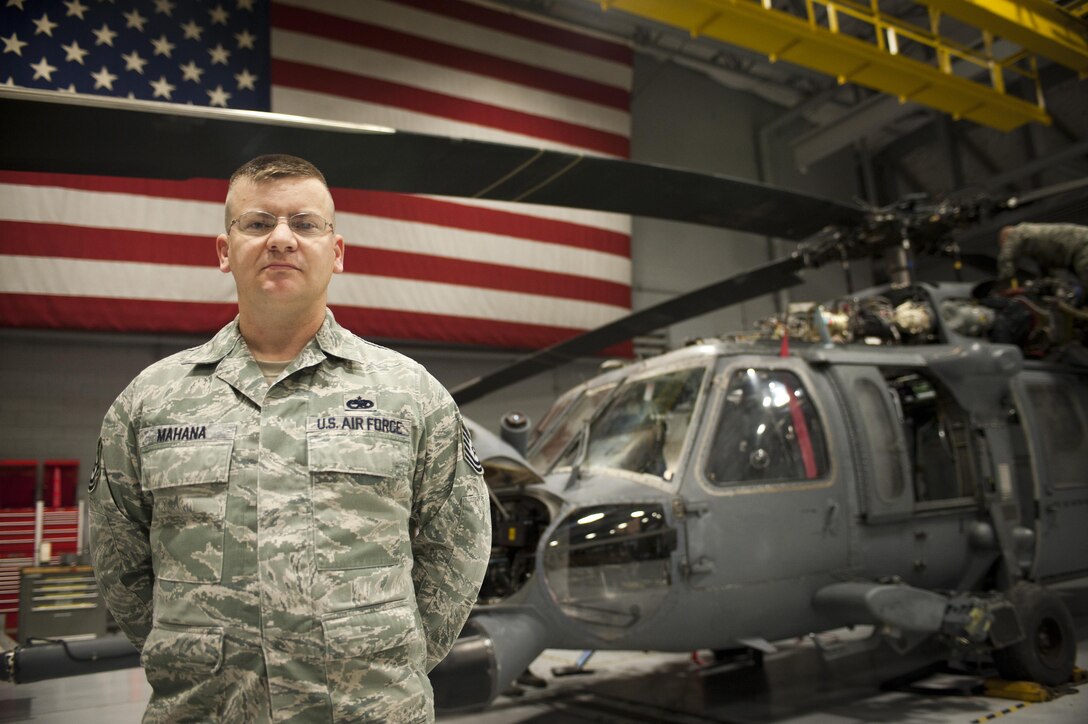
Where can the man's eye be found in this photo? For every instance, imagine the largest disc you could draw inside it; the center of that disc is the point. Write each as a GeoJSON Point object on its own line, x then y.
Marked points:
{"type": "Point", "coordinates": [305, 224]}
{"type": "Point", "coordinates": [256, 226]}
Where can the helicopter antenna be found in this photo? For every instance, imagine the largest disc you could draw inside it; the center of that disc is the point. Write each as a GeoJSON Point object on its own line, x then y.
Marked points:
{"type": "Point", "coordinates": [846, 271]}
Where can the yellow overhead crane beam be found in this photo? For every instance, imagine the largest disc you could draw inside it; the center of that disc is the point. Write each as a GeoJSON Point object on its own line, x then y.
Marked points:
{"type": "Point", "coordinates": [1038, 26]}
{"type": "Point", "coordinates": [815, 42]}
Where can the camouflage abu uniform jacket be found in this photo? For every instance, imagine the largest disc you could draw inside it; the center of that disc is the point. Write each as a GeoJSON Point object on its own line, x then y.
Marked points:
{"type": "Point", "coordinates": [300, 552]}
{"type": "Point", "coordinates": [1050, 246]}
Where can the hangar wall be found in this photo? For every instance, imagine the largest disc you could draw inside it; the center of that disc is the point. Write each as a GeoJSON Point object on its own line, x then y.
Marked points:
{"type": "Point", "coordinates": [57, 385]}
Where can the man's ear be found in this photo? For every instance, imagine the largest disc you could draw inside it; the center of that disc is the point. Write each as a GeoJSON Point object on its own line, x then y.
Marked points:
{"type": "Point", "coordinates": [221, 249]}
{"type": "Point", "coordinates": [338, 263]}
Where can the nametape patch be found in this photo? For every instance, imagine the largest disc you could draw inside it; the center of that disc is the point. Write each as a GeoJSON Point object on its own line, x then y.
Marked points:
{"type": "Point", "coordinates": [190, 432]}
{"type": "Point", "coordinates": [366, 423]}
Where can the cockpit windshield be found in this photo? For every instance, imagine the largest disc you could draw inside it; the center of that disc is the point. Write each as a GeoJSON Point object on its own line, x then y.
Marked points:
{"type": "Point", "coordinates": [643, 425]}
{"type": "Point", "coordinates": [558, 429]}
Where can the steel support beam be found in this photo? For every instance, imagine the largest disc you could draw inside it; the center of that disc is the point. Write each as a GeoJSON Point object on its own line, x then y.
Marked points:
{"type": "Point", "coordinates": [1039, 26]}
{"type": "Point", "coordinates": [805, 42]}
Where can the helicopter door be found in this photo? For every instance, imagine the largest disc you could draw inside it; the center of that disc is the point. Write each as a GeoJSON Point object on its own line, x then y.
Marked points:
{"type": "Point", "coordinates": [1054, 414]}
{"type": "Point", "coordinates": [877, 443]}
{"type": "Point", "coordinates": [767, 508]}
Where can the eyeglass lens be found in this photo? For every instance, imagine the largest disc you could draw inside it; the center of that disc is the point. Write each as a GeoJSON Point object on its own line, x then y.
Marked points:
{"type": "Point", "coordinates": [259, 223]}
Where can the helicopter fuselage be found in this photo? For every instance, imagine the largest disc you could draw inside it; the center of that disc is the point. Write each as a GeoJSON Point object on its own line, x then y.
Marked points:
{"type": "Point", "coordinates": [721, 495]}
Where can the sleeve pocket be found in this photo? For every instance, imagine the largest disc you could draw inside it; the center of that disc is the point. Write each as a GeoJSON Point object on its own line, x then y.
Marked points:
{"type": "Point", "coordinates": [173, 657]}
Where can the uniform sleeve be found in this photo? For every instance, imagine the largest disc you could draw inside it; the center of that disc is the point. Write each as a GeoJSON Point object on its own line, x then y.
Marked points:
{"type": "Point", "coordinates": [1009, 254]}
{"type": "Point", "coordinates": [119, 525]}
{"type": "Point", "coordinates": [452, 524]}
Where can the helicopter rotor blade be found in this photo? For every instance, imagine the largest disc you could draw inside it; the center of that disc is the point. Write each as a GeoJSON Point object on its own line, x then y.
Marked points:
{"type": "Point", "coordinates": [1046, 192]}
{"type": "Point", "coordinates": [765, 279]}
{"type": "Point", "coordinates": [159, 140]}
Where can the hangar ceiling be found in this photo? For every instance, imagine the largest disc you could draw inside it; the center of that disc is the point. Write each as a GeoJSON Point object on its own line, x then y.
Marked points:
{"type": "Point", "coordinates": [1030, 129]}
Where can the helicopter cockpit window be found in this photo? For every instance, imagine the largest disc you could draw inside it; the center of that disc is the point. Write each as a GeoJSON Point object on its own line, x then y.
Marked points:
{"type": "Point", "coordinates": [643, 427]}
{"type": "Point", "coordinates": [608, 565]}
{"type": "Point", "coordinates": [557, 435]}
{"type": "Point", "coordinates": [937, 434]}
{"type": "Point", "coordinates": [1061, 407]}
{"type": "Point", "coordinates": [768, 431]}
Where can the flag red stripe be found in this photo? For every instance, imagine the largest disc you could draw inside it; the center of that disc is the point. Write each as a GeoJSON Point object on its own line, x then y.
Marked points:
{"type": "Point", "coordinates": [507, 22]}
{"type": "Point", "coordinates": [473, 218]}
{"type": "Point", "coordinates": [72, 242]}
{"type": "Point", "coordinates": [113, 315]}
{"type": "Point", "coordinates": [382, 92]}
{"type": "Point", "coordinates": [353, 32]}
{"type": "Point", "coordinates": [197, 189]}
{"type": "Point", "coordinates": [381, 262]}
{"type": "Point", "coordinates": [402, 207]}
{"type": "Point", "coordinates": [122, 315]}
{"type": "Point", "coordinates": [77, 242]}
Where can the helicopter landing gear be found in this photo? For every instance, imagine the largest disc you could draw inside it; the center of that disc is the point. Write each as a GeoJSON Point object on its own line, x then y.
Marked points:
{"type": "Point", "coordinates": [1047, 652]}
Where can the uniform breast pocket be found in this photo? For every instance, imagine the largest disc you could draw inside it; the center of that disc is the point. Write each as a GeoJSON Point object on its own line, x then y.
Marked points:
{"type": "Point", "coordinates": [362, 496]}
{"type": "Point", "coordinates": [189, 482]}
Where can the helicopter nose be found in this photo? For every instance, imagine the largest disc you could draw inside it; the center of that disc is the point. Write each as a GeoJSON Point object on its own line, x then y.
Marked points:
{"type": "Point", "coordinates": [592, 555]}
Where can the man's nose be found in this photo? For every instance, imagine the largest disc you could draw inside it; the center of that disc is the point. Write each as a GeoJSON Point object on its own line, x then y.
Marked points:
{"type": "Point", "coordinates": [282, 238]}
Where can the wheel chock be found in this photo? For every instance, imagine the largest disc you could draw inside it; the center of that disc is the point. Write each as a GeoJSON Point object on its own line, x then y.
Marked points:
{"type": "Point", "coordinates": [1017, 690]}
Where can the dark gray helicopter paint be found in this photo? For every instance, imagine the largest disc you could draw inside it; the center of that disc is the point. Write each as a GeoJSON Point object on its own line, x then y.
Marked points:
{"type": "Point", "coordinates": [934, 476]}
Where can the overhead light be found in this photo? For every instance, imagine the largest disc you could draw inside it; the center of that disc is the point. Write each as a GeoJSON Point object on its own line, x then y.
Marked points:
{"type": "Point", "coordinates": [591, 518]}
{"type": "Point", "coordinates": [893, 41]}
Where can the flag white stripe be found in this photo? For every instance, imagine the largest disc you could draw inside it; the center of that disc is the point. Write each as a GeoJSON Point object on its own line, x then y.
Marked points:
{"type": "Point", "coordinates": [379, 233]}
{"type": "Point", "coordinates": [111, 210]}
{"type": "Point", "coordinates": [130, 280]}
{"type": "Point", "coordinates": [406, 295]}
{"type": "Point", "coordinates": [477, 38]}
{"type": "Point", "coordinates": [338, 108]}
{"type": "Point", "coordinates": [348, 58]}
{"type": "Point", "coordinates": [114, 280]}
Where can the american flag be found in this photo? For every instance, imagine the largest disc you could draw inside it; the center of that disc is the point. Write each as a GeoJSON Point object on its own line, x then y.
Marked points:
{"type": "Point", "coordinates": [103, 253]}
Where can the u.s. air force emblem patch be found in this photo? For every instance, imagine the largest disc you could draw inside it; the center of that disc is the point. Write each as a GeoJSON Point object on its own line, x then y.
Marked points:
{"type": "Point", "coordinates": [470, 452]}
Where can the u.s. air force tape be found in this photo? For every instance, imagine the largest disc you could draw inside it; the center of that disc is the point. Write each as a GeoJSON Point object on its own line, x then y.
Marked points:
{"type": "Point", "coordinates": [470, 452]}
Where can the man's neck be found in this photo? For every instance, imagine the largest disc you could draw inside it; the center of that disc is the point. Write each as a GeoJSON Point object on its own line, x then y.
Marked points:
{"type": "Point", "coordinates": [278, 337]}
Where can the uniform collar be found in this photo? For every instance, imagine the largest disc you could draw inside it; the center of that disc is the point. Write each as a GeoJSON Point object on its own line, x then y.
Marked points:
{"type": "Point", "coordinates": [336, 341]}
{"type": "Point", "coordinates": [331, 338]}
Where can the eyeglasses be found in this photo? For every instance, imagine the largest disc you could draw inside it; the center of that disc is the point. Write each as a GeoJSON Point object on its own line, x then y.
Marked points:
{"type": "Point", "coordinates": [261, 223]}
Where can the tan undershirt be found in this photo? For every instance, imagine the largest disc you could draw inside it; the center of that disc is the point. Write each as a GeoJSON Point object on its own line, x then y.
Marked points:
{"type": "Point", "coordinates": [271, 370]}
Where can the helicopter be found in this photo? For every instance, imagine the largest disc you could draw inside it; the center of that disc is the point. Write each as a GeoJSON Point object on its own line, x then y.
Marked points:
{"type": "Point", "coordinates": [864, 461]}
{"type": "Point", "coordinates": [876, 460]}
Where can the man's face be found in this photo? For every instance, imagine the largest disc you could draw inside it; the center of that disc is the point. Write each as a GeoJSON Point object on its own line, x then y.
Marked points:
{"type": "Point", "coordinates": [281, 267]}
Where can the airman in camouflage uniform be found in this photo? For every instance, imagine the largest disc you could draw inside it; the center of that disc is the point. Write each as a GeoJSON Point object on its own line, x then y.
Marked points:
{"type": "Point", "coordinates": [302, 548]}
{"type": "Point", "coordinates": [1051, 246]}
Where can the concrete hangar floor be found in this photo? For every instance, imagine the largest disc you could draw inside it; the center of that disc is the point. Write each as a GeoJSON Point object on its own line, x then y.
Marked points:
{"type": "Point", "coordinates": [794, 686]}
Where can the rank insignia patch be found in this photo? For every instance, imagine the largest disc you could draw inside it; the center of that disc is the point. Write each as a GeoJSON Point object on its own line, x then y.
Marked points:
{"type": "Point", "coordinates": [470, 452]}
{"type": "Point", "coordinates": [93, 483]}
